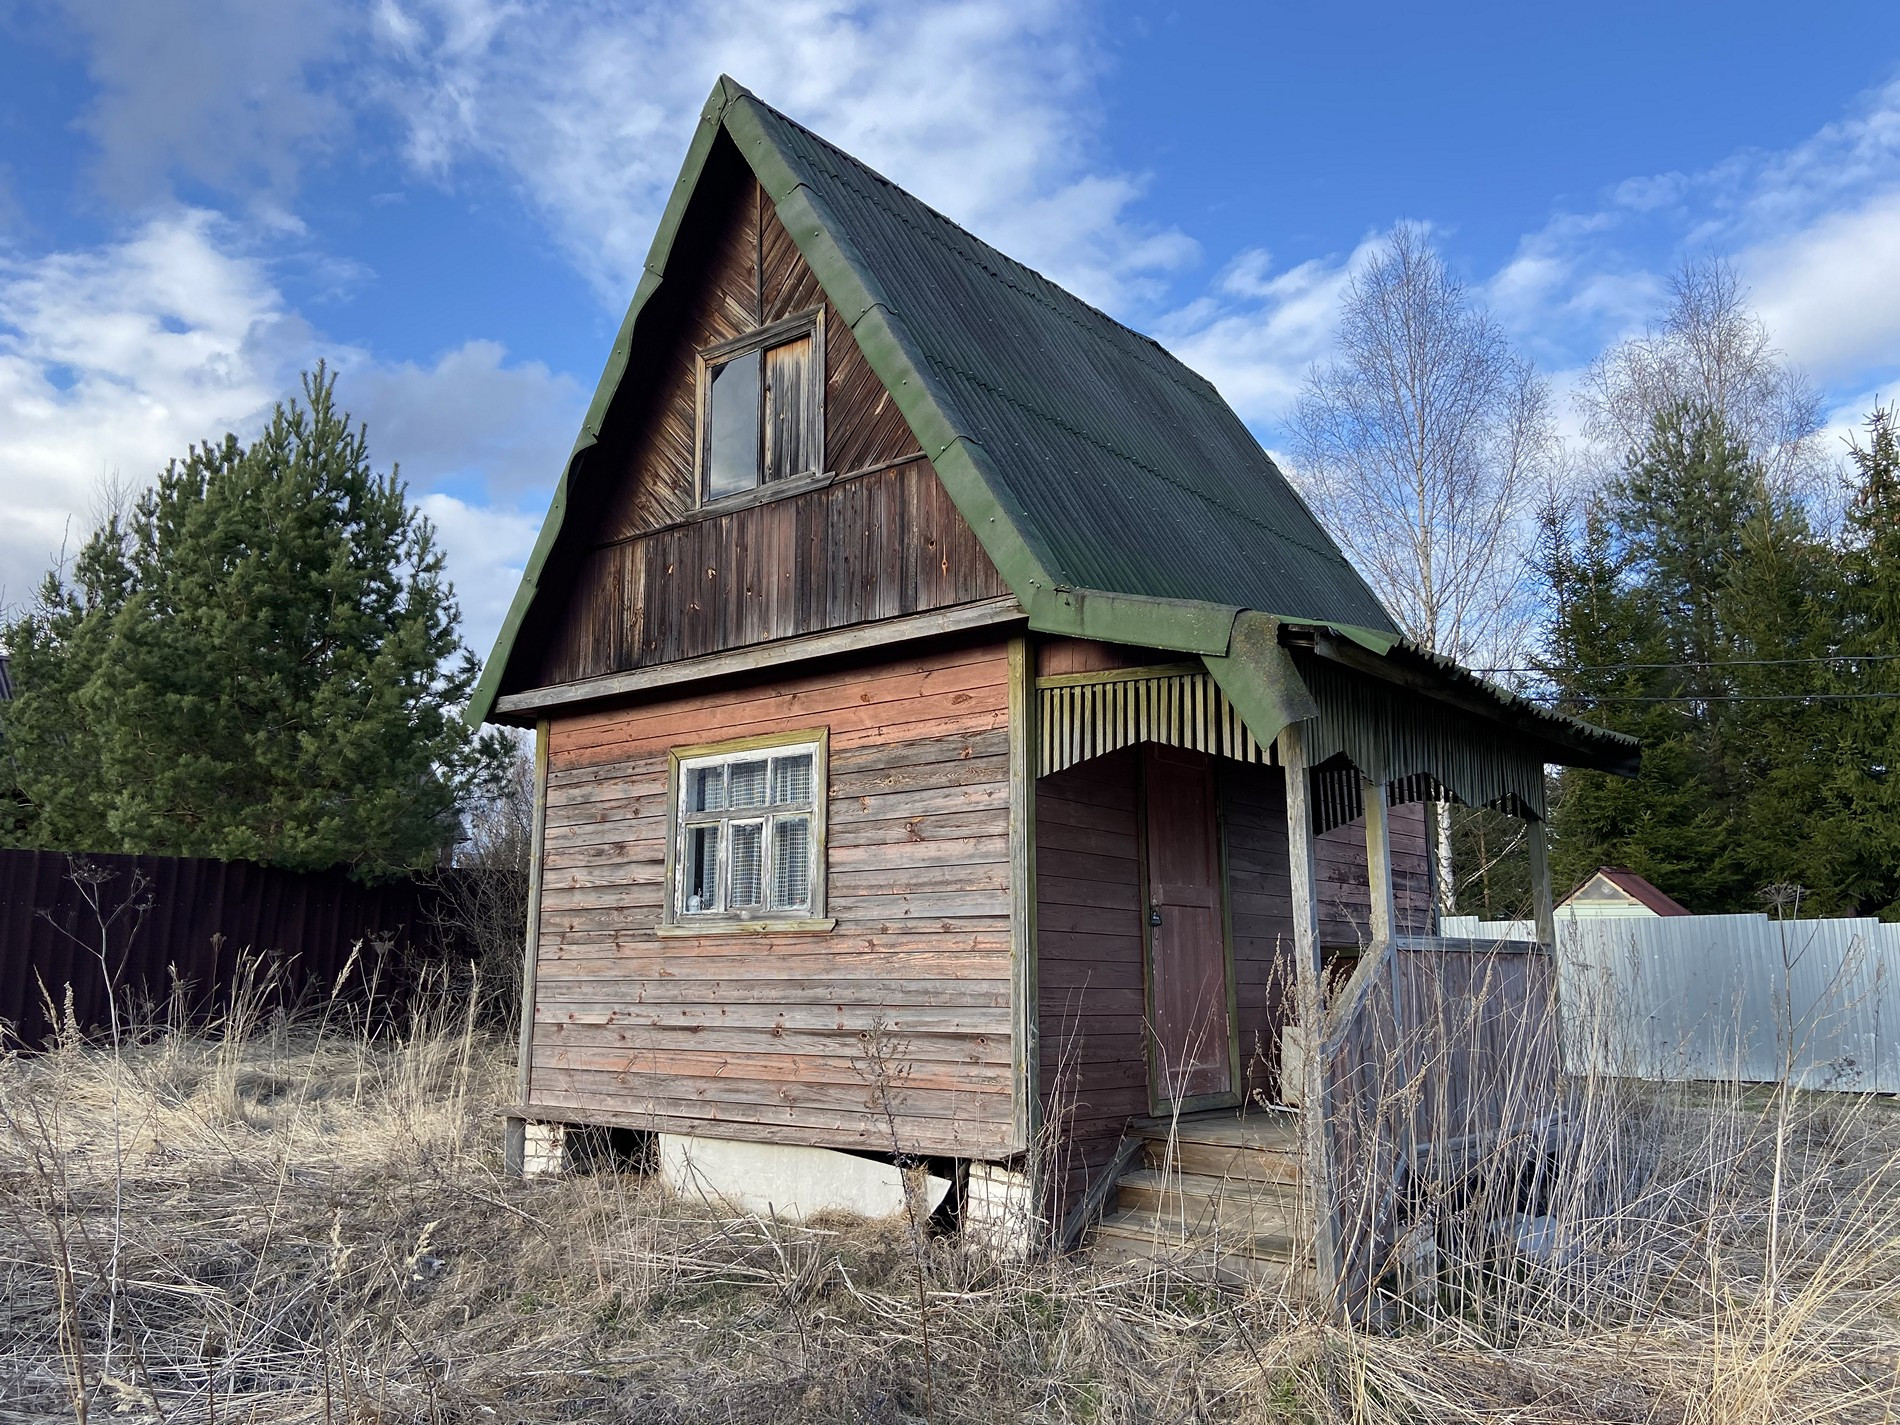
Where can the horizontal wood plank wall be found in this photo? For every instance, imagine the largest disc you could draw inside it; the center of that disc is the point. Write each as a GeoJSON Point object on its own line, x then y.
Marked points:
{"type": "Point", "coordinates": [1058, 656]}
{"type": "Point", "coordinates": [1254, 812]}
{"type": "Point", "coordinates": [767, 1037]}
{"type": "Point", "coordinates": [1089, 961]}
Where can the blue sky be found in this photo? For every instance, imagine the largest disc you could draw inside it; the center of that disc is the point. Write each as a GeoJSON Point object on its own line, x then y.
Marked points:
{"type": "Point", "coordinates": [449, 199]}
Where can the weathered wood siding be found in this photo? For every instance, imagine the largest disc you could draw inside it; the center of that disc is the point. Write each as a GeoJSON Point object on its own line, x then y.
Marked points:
{"type": "Point", "coordinates": [871, 547]}
{"type": "Point", "coordinates": [1089, 939]}
{"type": "Point", "coordinates": [657, 579]}
{"type": "Point", "coordinates": [777, 1037]}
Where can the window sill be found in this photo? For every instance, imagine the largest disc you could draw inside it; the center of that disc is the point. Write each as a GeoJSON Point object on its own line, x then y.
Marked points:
{"type": "Point", "coordinates": [744, 927]}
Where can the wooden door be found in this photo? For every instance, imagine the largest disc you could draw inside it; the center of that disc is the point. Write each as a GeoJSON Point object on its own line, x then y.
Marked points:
{"type": "Point", "coordinates": [1190, 1007]}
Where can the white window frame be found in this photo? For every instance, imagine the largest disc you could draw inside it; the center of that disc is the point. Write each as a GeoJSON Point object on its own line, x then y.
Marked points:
{"type": "Point", "coordinates": [682, 762]}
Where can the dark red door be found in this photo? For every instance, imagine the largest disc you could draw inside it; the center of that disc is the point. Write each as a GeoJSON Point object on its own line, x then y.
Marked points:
{"type": "Point", "coordinates": [1187, 950]}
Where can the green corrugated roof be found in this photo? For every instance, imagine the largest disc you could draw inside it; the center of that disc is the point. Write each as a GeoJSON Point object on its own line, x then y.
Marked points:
{"type": "Point", "coordinates": [1117, 493]}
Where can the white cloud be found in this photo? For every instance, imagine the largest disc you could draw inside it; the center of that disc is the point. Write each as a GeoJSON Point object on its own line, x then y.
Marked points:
{"type": "Point", "coordinates": [981, 107]}
{"type": "Point", "coordinates": [1814, 231]}
{"type": "Point", "coordinates": [486, 549]}
{"type": "Point", "coordinates": [1256, 335]}
{"type": "Point", "coordinates": [225, 92]}
{"type": "Point", "coordinates": [1831, 291]}
{"type": "Point", "coordinates": [115, 360]}
{"type": "Point", "coordinates": [470, 419]}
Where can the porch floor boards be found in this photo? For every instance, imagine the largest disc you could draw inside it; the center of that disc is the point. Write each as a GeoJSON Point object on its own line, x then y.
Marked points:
{"type": "Point", "coordinates": [1216, 1194]}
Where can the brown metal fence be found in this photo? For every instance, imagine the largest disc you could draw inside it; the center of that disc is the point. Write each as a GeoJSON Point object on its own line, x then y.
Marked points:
{"type": "Point", "coordinates": [140, 926]}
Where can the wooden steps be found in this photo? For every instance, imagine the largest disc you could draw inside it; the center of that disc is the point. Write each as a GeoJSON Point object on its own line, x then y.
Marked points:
{"type": "Point", "coordinates": [1216, 1194]}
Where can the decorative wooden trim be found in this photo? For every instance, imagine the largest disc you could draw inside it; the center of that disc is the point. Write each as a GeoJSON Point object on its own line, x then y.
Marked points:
{"type": "Point", "coordinates": [1086, 715]}
{"type": "Point", "coordinates": [758, 656]}
{"type": "Point", "coordinates": [1119, 675]}
{"type": "Point", "coordinates": [1316, 1108]}
{"type": "Point", "coordinates": [531, 940]}
{"type": "Point", "coordinates": [1025, 987]}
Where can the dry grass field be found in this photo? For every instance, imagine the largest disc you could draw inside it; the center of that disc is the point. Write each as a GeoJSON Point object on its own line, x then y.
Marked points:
{"type": "Point", "coordinates": [305, 1223]}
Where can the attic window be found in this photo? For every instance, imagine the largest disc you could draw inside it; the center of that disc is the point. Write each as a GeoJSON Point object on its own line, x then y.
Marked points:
{"type": "Point", "coordinates": [761, 407]}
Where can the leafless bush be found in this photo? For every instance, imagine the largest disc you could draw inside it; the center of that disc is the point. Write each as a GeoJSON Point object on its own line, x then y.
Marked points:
{"type": "Point", "coordinates": [482, 902]}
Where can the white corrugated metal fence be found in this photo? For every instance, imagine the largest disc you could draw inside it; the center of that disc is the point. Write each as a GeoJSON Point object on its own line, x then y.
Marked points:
{"type": "Point", "coordinates": [1726, 997]}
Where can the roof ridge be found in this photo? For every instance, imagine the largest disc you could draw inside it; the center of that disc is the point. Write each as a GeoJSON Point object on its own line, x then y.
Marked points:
{"type": "Point", "coordinates": [1170, 365]}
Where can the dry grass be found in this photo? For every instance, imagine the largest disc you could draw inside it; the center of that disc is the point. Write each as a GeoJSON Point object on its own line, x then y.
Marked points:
{"type": "Point", "coordinates": [302, 1223]}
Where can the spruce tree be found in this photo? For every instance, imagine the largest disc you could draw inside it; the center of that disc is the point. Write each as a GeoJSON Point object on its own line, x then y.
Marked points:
{"type": "Point", "coordinates": [1865, 785]}
{"type": "Point", "coordinates": [1690, 588]}
{"type": "Point", "coordinates": [262, 663]}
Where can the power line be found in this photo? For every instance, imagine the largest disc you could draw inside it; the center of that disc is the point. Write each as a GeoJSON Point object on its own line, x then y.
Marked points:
{"type": "Point", "coordinates": [1724, 663]}
{"type": "Point", "coordinates": [1717, 697]}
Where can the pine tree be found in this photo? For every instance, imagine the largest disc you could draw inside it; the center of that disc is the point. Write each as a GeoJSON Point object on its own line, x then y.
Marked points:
{"type": "Point", "coordinates": [262, 664]}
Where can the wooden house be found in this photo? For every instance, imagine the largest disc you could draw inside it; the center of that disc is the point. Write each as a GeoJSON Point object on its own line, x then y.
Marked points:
{"type": "Point", "coordinates": [954, 737]}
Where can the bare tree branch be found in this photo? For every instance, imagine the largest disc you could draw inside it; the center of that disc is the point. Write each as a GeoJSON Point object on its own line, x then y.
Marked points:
{"type": "Point", "coordinates": [1420, 447]}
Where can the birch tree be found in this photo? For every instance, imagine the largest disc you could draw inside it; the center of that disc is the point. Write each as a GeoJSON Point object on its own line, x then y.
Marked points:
{"type": "Point", "coordinates": [1708, 351]}
{"type": "Point", "coordinates": [1420, 447]}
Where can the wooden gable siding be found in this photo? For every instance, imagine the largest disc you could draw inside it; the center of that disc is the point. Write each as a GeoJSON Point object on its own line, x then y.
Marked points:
{"type": "Point", "coordinates": [662, 580]}
{"type": "Point", "coordinates": [875, 546]}
{"type": "Point", "coordinates": [772, 1036]}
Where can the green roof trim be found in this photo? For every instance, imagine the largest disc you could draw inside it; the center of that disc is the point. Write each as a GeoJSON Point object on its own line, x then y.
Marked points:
{"type": "Point", "coordinates": [1258, 676]}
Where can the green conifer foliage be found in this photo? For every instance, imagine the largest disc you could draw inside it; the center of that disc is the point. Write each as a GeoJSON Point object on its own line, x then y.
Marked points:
{"type": "Point", "coordinates": [261, 663]}
{"type": "Point", "coordinates": [1686, 603]}
{"type": "Point", "coordinates": [1865, 836]}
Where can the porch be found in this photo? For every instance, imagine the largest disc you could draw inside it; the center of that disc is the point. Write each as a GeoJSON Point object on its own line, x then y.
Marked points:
{"type": "Point", "coordinates": [1252, 1047]}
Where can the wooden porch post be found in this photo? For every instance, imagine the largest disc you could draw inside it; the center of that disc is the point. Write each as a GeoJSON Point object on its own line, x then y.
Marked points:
{"type": "Point", "coordinates": [1379, 859]}
{"type": "Point", "coordinates": [1543, 903]}
{"type": "Point", "coordinates": [1315, 1105]}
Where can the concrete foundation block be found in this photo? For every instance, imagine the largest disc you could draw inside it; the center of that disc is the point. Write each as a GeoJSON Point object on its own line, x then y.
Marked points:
{"type": "Point", "coordinates": [543, 1149]}
{"type": "Point", "coordinates": [789, 1181]}
{"type": "Point", "coordinates": [999, 1211]}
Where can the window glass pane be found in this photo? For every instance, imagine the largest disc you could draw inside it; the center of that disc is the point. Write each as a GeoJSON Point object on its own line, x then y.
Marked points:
{"type": "Point", "coordinates": [699, 888]}
{"type": "Point", "coordinates": [747, 873]}
{"type": "Point", "coordinates": [791, 409]}
{"type": "Point", "coordinates": [791, 779]}
{"type": "Point", "coordinates": [747, 784]}
{"type": "Point", "coordinates": [791, 863]}
{"type": "Point", "coordinates": [732, 413]}
{"type": "Point", "coordinates": [706, 789]}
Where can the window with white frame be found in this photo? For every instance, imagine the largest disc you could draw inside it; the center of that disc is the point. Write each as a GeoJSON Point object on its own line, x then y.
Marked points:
{"type": "Point", "coordinates": [749, 825]}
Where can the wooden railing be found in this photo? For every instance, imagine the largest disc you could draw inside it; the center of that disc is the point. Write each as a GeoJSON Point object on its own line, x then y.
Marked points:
{"type": "Point", "coordinates": [1443, 1074]}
